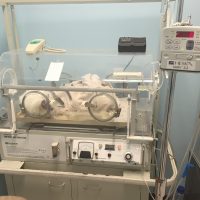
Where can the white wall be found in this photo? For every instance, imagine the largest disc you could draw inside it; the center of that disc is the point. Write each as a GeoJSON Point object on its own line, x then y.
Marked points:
{"type": "Point", "coordinates": [191, 7]}
{"type": "Point", "coordinates": [89, 26]}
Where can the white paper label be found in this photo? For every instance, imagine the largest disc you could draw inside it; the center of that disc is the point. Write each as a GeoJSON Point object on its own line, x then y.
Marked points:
{"type": "Point", "coordinates": [54, 71]}
{"type": "Point", "coordinates": [32, 146]}
{"type": "Point", "coordinates": [181, 65]}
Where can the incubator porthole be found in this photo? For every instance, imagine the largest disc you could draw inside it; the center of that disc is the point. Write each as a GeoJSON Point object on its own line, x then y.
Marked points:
{"type": "Point", "coordinates": [35, 104]}
{"type": "Point", "coordinates": [103, 107]}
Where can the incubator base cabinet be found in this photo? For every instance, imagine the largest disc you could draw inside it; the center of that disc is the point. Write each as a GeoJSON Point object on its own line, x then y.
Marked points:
{"type": "Point", "coordinates": [39, 150]}
{"type": "Point", "coordinates": [49, 188]}
{"type": "Point", "coordinates": [80, 128]}
{"type": "Point", "coordinates": [81, 190]}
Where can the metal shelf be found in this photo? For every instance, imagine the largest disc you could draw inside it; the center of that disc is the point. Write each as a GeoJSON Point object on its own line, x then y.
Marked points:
{"type": "Point", "coordinates": [27, 2]}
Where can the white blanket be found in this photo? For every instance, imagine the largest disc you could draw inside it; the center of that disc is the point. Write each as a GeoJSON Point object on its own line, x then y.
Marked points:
{"type": "Point", "coordinates": [36, 105]}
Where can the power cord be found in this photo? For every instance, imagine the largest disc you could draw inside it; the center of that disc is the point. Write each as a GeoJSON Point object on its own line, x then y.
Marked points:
{"type": "Point", "coordinates": [125, 68]}
{"type": "Point", "coordinates": [54, 50]}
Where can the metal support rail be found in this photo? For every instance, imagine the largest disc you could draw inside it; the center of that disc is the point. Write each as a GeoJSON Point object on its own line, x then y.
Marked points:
{"type": "Point", "coordinates": [71, 89]}
{"type": "Point", "coordinates": [161, 181]}
{"type": "Point", "coordinates": [179, 15]}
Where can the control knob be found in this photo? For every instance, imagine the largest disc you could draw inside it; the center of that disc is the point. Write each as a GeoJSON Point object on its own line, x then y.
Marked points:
{"type": "Point", "coordinates": [128, 156]}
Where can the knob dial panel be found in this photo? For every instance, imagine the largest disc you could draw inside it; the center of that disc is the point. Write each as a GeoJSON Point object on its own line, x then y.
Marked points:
{"type": "Point", "coordinates": [128, 156]}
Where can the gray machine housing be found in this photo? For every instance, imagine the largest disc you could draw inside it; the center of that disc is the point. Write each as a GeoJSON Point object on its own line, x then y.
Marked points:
{"type": "Point", "coordinates": [180, 48]}
{"type": "Point", "coordinates": [62, 147]}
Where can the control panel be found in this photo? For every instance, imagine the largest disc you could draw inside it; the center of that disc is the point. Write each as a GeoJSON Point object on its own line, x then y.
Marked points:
{"type": "Point", "coordinates": [33, 147]}
{"type": "Point", "coordinates": [181, 39]}
{"type": "Point", "coordinates": [77, 150]}
{"type": "Point", "coordinates": [107, 151]}
{"type": "Point", "coordinates": [180, 48]}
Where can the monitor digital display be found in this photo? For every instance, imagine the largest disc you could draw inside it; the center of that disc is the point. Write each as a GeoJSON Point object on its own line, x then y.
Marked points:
{"type": "Point", "coordinates": [185, 34]}
{"type": "Point", "coordinates": [110, 147]}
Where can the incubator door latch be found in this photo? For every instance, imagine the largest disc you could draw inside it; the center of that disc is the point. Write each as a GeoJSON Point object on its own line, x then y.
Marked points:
{"type": "Point", "coordinates": [55, 149]}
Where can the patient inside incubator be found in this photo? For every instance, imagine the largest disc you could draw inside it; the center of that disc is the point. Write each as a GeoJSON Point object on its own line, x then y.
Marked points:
{"type": "Point", "coordinates": [51, 104]}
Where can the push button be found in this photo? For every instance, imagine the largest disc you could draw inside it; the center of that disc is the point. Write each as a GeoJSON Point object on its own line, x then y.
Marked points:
{"type": "Point", "coordinates": [96, 155]}
{"type": "Point", "coordinates": [119, 147]}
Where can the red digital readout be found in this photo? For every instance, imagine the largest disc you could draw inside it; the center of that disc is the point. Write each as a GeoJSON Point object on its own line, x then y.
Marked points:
{"type": "Point", "coordinates": [185, 34]}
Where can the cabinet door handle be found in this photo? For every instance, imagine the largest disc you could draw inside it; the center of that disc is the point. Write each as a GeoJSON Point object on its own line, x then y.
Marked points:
{"type": "Point", "coordinates": [91, 187]}
{"type": "Point", "coordinates": [56, 185]}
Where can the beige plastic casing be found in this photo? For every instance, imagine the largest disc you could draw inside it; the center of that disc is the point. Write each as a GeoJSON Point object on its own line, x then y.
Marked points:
{"type": "Point", "coordinates": [35, 46]}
